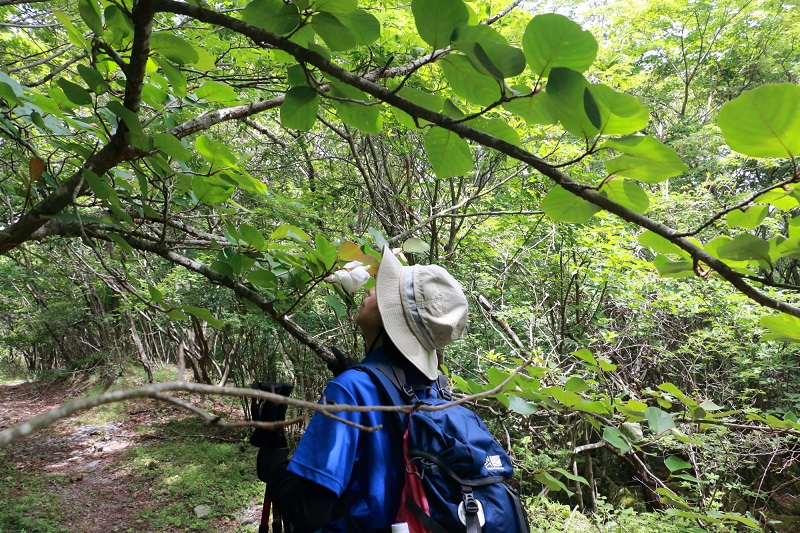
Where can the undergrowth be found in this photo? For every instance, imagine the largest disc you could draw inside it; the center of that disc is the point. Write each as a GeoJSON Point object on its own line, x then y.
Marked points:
{"type": "Point", "coordinates": [29, 505]}
{"type": "Point", "coordinates": [187, 472]}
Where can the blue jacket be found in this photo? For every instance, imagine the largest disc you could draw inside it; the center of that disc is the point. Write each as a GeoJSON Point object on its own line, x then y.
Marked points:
{"type": "Point", "coordinates": [363, 468]}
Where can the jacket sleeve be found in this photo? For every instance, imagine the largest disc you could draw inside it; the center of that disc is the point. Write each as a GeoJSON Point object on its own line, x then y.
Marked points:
{"type": "Point", "coordinates": [305, 504]}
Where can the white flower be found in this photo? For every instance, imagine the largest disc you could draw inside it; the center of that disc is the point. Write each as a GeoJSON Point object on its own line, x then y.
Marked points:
{"type": "Point", "coordinates": [350, 278]}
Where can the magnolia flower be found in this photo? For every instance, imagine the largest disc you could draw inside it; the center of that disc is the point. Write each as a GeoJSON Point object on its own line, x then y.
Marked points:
{"type": "Point", "coordinates": [351, 277]}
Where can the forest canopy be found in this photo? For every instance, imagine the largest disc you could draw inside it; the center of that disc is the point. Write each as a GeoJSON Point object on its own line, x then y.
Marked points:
{"type": "Point", "coordinates": [614, 183]}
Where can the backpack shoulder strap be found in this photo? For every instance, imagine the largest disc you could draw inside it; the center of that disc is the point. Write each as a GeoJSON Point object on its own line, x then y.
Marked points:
{"type": "Point", "coordinates": [444, 390]}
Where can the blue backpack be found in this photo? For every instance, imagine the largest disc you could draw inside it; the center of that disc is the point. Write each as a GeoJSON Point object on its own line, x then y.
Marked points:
{"type": "Point", "coordinates": [456, 472]}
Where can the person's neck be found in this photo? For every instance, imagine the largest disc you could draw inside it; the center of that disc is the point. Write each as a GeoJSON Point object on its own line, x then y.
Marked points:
{"type": "Point", "coordinates": [373, 339]}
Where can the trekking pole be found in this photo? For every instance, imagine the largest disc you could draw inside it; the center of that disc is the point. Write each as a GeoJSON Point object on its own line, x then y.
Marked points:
{"type": "Point", "coordinates": [263, 527]}
{"type": "Point", "coordinates": [277, 520]}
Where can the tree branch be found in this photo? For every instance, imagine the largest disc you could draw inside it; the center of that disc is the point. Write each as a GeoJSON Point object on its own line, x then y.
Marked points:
{"type": "Point", "coordinates": [516, 152]}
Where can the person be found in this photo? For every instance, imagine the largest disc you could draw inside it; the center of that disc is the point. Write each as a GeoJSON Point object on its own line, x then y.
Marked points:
{"type": "Point", "coordinates": [343, 479]}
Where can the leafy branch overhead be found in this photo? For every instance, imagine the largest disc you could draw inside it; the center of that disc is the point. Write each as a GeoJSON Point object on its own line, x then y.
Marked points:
{"type": "Point", "coordinates": [542, 83]}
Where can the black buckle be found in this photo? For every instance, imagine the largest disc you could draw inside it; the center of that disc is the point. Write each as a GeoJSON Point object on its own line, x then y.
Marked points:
{"type": "Point", "coordinates": [470, 503]}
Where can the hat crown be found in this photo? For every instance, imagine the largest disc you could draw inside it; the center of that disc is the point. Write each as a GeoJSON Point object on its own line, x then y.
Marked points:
{"type": "Point", "coordinates": [440, 304]}
{"type": "Point", "coordinates": [423, 309]}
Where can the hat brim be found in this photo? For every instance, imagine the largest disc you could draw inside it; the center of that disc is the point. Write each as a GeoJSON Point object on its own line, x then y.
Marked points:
{"type": "Point", "coordinates": [391, 276]}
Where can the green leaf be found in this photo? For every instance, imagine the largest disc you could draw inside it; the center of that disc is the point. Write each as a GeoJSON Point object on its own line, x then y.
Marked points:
{"type": "Point", "coordinates": [100, 186]}
{"type": "Point", "coordinates": [204, 314]}
{"type": "Point", "coordinates": [336, 35]}
{"type": "Point", "coordinates": [520, 406]}
{"type": "Point", "coordinates": [172, 146]}
{"type": "Point", "coordinates": [789, 248]}
{"type": "Point", "coordinates": [155, 294]}
{"type": "Point", "coordinates": [366, 118]}
{"type": "Point", "coordinates": [569, 94]}
{"type": "Point", "coordinates": [570, 475]}
{"type": "Point", "coordinates": [174, 48]}
{"type": "Point", "coordinates": [121, 242]}
{"type": "Point", "coordinates": [749, 218]}
{"type": "Point", "coordinates": [119, 28]}
{"type": "Point", "coordinates": [214, 91]}
{"type": "Point", "coordinates": [436, 20]}
{"type": "Point", "coordinates": [644, 158]}
{"type": "Point", "coordinates": [94, 80]}
{"type": "Point", "coordinates": [552, 483]}
{"type": "Point", "coordinates": [467, 82]}
{"type": "Point", "coordinates": [669, 497]}
{"type": "Point", "coordinates": [764, 122]}
{"type": "Point", "coordinates": [448, 154]}
{"type": "Point", "coordinates": [325, 251]}
{"type": "Point", "coordinates": [552, 40]}
{"type": "Point", "coordinates": [414, 245]}
{"type": "Point", "coordinates": [659, 244]}
{"type": "Point", "coordinates": [217, 154]}
{"type": "Point", "coordinates": [252, 237]}
{"type": "Point", "coordinates": [585, 355]}
{"type": "Point", "coordinates": [627, 194]}
{"type": "Point", "coordinates": [299, 109]}
{"type": "Point", "coordinates": [667, 268]}
{"type": "Point", "coordinates": [563, 206]}
{"type": "Point", "coordinates": [276, 16]}
{"type": "Point", "coordinates": [785, 198]}
{"type": "Point", "coordinates": [74, 92]}
{"type": "Point", "coordinates": [365, 27]}
{"type": "Point", "coordinates": [10, 89]}
{"type": "Point", "coordinates": [131, 120]}
{"type": "Point", "coordinates": [496, 127]}
{"type": "Point", "coordinates": [744, 247]}
{"type": "Point", "coordinates": [565, 397]}
{"type": "Point", "coordinates": [336, 305]}
{"type": "Point", "coordinates": [534, 108]}
{"type": "Point", "coordinates": [263, 278]}
{"type": "Point", "coordinates": [659, 421]}
{"type": "Point", "coordinates": [334, 6]}
{"type": "Point", "coordinates": [210, 191]}
{"type": "Point", "coordinates": [90, 13]}
{"type": "Point", "coordinates": [425, 99]}
{"type": "Point", "coordinates": [176, 78]}
{"type": "Point", "coordinates": [620, 114]}
{"type": "Point", "coordinates": [488, 51]}
{"type": "Point", "coordinates": [576, 384]}
{"type": "Point", "coordinates": [615, 438]}
{"type": "Point", "coordinates": [671, 388]}
{"type": "Point", "coordinates": [632, 431]}
{"type": "Point", "coordinates": [596, 407]}
{"type": "Point", "coordinates": [784, 327]}
{"type": "Point", "coordinates": [75, 37]}
{"type": "Point", "coordinates": [287, 231]}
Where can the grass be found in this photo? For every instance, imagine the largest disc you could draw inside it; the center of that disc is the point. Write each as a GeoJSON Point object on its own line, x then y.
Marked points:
{"type": "Point", "coordinates": [29, 505]}
{"type": "Point", "coordinates": [186, 472]}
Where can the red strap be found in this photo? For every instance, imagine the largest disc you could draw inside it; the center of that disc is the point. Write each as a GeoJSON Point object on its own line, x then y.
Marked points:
{"type": "Point", "coordinates": [414, 491]}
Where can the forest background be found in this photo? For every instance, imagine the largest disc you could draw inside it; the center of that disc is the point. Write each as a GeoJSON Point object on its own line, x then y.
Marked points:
{"type": "Point", "coordinates": [614, 183]}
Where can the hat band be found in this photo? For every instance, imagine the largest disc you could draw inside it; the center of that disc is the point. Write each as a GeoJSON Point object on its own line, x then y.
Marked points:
{"type": "Point", "coordinates": [416, 323]}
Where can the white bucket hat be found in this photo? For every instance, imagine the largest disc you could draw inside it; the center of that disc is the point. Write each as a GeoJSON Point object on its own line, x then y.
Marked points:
{"type": "Point", "coordinates": [423, 309]}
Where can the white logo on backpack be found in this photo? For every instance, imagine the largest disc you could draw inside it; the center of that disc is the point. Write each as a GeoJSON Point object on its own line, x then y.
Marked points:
{"type": "Point", "coordinates": [493, 462]}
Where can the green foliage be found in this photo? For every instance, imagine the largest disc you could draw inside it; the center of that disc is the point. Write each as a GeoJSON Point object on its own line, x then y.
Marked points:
{"type": "Point", "coordinates": [187, 473]}
{"type": "Point", "coordinates": [30, 506]}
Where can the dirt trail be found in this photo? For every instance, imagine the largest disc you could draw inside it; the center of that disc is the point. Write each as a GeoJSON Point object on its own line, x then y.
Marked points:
{"type": "Point", "coordinates": [100, 496]}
